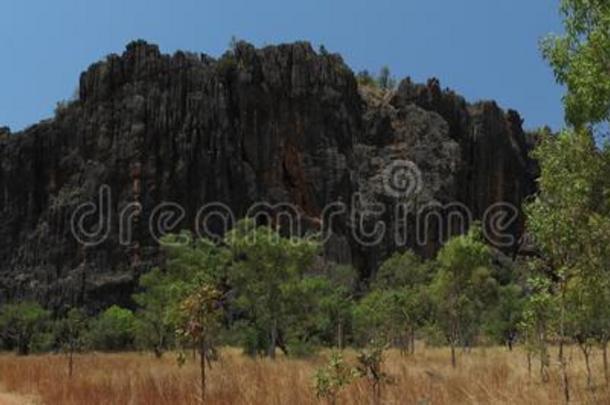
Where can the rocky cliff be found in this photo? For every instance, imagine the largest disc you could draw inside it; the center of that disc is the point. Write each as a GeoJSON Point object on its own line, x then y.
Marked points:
{"type": "Point", "coordinates": [278, 124]}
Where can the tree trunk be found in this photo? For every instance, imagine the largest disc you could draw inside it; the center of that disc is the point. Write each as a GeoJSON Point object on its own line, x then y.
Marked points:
{"type": "Point", "coordinates": [453, 360]}
{"type": "Point", "coordinates": [586, 353]}
{"type": "Point", "coordinates": [377, 394]}
{"type": "Point", "coordinates": [159, 346]}
{"type": "Point", "coordinates": [454, 340]}
{"type": "Point", "coordinates": [412, 344]}
{"type": "Point", "coordinates": [202, 351]}
{"type": "Point", "coordinates": [562, 358]}
{"type": "Point", "coordinates": [273, 339]}
{"type": "Point", "coordinates": [340, 335]}
{"type": "Point", "coordinates": [529, 364]}
{"type": "Point", "coordinates": [543, 353]}
{"type": "Point", "coordinates": [605, 356]}
{"type": "Point", "coordinates": [70, 362]}
{"type": "Point", "coordinates": [564, 372]}
{"type": "Point", "coordinates": [403, 342]}
{"type": "Point", "coordinates": [23, 348]}
{"type": "Point", "coordinates": [544, 377]}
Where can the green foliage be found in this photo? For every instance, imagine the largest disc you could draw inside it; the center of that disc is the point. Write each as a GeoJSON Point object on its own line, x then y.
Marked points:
{"type": "Point", "coordinates": [227, 65]}
{"type": "Point", "coordinates": [332, 378]}
{"type": "Point", "coordinates": [365, 78]}
{"type": "Point", "coordinates": [569, 221]}
{"type": "Point", "coordinates": [370, 367]}
{"type": "Point", "coordinates": [23, 324]}
{"type": "Point", "coordinates": [336, 303]}
{"type": "Point", "coordinates": [433, 335]}
{"type": "Point", "coordinates": [579, 58]}
{"type": "Point", "coordinates": [559, 218]}
{"type": "Point", "coordinates": [539, 315]}
{"type": "Point", "coordinates": [398, 303]}
{"type": "Point", "coordinates": [268, 276]}
{"type": "Point", "coordinates": [190, 263]}
{"type": "Point", "coordinates": [310, 305]}
{"type": "Point", "coordinates": [43, 342]}
{"type": "Point", "coordinates": [70, 330]}
{"type": "Point", "coordinates": [402, 270]}
{"type": "Point", "coordinates": [198, 324]}
{"type": "Point", "coordinates": [375, 317]}
{"type": "Point", "coordinates": [70, 333]}
{"type": "Point", "coordinates": [463, 287]}
{"type": "Point", "coordinates": [199, 319]}
{"type": "Point", "coordinates": [112, 330]}
{"type": "Point", "coordinates": [155, 320]}
{"type": "Point", "coordinates": [383, 81]}
{"type": "Point", "coordinates": [504, 318]}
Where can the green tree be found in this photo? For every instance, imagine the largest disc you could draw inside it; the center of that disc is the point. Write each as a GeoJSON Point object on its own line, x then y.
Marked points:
{"type": "Point", "coordinates": [370, 367]}
{"type": "Point", "coordinates": [264, 275]}
{"type": "Point", "coordinates": [336, 303]}
{"type": "Point", "coordinates": [569, 217]}
{"type": "Point", "coordinates": [70, 334]}
{"type": "Point", "coordinates": [588, 296]}
{"type": "Point", "coordinates": [20, 323]}
{"type": "Point", "coordinates": [390, 316]}
{"type": "Point", "coordinates": [564, 218]}
{"type": "Point", "coordinates": [539, 315]}
{"type": "Point", "coordinates": [597, 280]}
{"type": "Point", "coordinates": [504, 318]}
{"type": "Point", "coordinates": [316, 312]}
{"type": "Point", "coordinates": [404, 279]}
{"type": "Point", "coordinates": [155, 325]}
{"type": "Point", "coordinates": [333, 377]}
{"type": "Point", "coordinates": [403, 270]}
{"type": "Point", "coordinates": [582, 318]}
{"type": "Point", "coordinates": [579, 58]}
{"type": "Point", "coordinates": [198, 325]}
{"type": "Point", "coordinates": [377, 317]}
{"type": "Point", "coordinates": [189, 263]}
{"type": "Point", "coordinates": [462, 287]}
{"type": "Point", "coordinates": [113, 329]}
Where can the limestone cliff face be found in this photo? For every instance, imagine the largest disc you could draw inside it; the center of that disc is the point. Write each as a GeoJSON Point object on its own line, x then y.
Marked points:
{"type": "Point", "coordinates": [278, 124]}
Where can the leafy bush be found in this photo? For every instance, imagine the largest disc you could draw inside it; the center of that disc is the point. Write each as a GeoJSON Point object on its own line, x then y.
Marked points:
{"type": "Point", "coordinates": [21, 325]}
{"type": "Point", "coordinates": [113, 330]}
{"type": "Point", "coordinates": [332, 378]}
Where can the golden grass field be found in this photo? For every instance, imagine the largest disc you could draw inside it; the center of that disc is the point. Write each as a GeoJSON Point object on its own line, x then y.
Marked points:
{"type": "Point", "coordinates": [483, 376]}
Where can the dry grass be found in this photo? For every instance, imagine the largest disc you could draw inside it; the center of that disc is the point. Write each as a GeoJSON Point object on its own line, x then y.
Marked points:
{"type": "Point", "coordinates": [484, 376]}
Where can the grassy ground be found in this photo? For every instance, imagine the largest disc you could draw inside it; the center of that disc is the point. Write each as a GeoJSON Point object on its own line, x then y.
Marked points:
{"type": "Point", "coordinates": [484, 376]}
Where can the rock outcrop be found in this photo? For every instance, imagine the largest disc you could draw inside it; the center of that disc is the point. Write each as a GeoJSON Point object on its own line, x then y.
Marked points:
{"type": "Point", "coordinates": [282, 124]}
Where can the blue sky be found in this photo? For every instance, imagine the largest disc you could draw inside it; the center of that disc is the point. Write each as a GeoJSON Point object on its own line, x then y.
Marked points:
{"type": "Point", "coordinates": [484, 49]}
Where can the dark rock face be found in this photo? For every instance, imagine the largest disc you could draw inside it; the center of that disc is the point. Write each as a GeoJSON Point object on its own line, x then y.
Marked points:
{"type": "Point", "coordinates": [278, 124]}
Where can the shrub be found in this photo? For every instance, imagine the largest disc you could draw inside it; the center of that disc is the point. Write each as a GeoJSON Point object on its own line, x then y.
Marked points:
{"type": "Point", "coordinates": [21, 324]}
{"type": "Point", "coordinates": [113, 330]}
{"type": "Point", "coordinates": [332, 378]}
